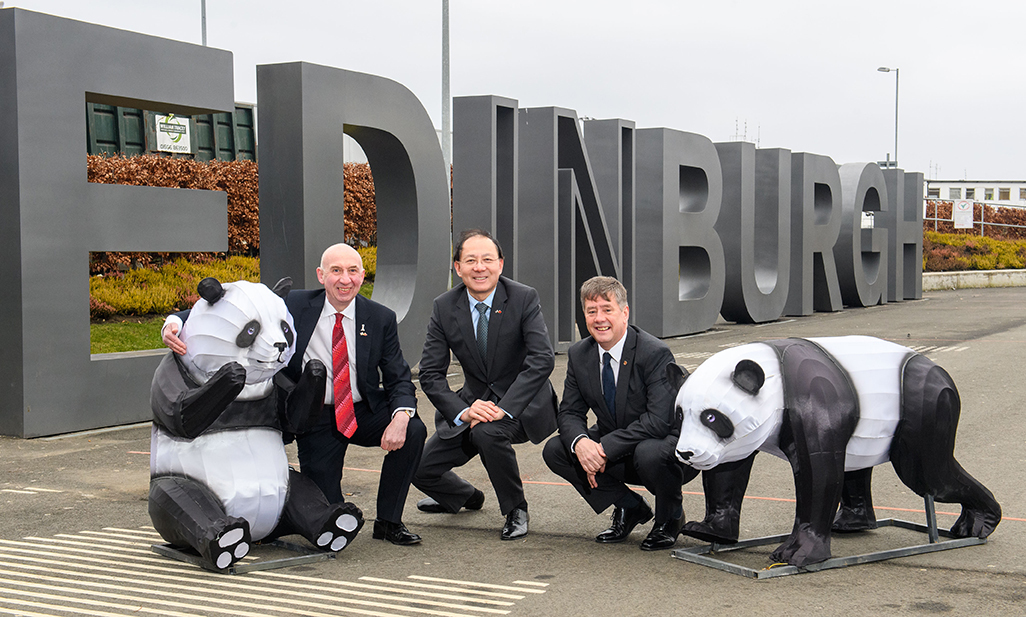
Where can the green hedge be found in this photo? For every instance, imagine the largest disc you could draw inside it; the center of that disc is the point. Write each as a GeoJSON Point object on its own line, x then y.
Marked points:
{"type": "Point", "coordinates": [954, 252]}
{"type": "Point", "coordinates": [170, 288]}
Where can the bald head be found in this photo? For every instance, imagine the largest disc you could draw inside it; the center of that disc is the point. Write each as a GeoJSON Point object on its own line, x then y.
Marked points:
{"type": "Point", "coordinates": [341, 273]}
{"type": "Point", "coordinates": [339, 251]}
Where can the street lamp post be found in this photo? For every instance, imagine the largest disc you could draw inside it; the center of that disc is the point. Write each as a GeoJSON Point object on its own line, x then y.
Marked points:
{"type": "Point", "coordinates": [446, 103]}
{"type": "Point", "coordinates": [884, 69]}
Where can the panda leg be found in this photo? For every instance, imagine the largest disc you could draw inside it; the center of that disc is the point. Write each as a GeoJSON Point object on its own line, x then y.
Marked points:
{"type": "Point", "coordinates": [922, 451]}
{"type": "Point", "coordinates": [856, 512]}
{"type": "Point", "coordinates": [187, 514]}
{"type": "Point", "coordinates": [724, 487]}
{"type": "Point", "coordinates": [329, 527]}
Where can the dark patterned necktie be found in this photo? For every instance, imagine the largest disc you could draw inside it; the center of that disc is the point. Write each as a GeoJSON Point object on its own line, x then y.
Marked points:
{"type": "Point", "coordinates": [345, 414]}
{"type": "Point", "coordinates": [609, 384]}
{"type": "Point", "coordinates": [482, 329]}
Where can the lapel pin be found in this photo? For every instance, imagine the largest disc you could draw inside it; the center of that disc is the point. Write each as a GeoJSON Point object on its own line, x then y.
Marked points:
{"type": "Point", "coordinates": [498, 311]}
{"type": "Point", "coordinates": [363, 329]}
{"type": "Point", "coordinates": [625, 363]}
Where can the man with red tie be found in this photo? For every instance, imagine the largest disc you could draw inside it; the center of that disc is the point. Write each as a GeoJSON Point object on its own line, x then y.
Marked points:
{"type": "Point", "coordinates": [374, 407]}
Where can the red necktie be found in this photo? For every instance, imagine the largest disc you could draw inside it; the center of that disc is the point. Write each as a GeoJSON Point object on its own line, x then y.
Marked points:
{"type": "Point", "coordinates": [345, 416]}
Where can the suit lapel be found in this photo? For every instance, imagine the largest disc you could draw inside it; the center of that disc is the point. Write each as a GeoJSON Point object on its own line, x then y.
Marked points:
{"type": "Point", "coordinates": [363, 345]}
{"type": "Point", "coordinates": [623, 376]}
{"type": "Point", "coordinates": [495, 318]}
{"type": "Point", "coordinates": [591, 384]}
{"type": "Point", "coordinates": [307, 321]}
{"type": "Point", "coordinates": [465, 323]}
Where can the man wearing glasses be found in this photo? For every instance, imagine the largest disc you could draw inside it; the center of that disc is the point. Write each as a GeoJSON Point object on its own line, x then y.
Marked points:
{"type": "Point", "coordinates": [494, 327]}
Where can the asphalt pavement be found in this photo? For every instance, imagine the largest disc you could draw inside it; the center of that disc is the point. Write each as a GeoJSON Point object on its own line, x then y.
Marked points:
{"type": "Point", "coordinates": [75, 534]}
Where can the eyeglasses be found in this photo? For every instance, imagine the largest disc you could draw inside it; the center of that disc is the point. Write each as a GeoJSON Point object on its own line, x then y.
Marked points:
{"type": "Point", "coordinates": [488, 260]}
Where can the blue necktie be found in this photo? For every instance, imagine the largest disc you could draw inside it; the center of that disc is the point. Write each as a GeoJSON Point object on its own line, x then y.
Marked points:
{"type": "Point", "coordinates": [609, 384]}
{"type": "Point", "coordinates": [482, 329]}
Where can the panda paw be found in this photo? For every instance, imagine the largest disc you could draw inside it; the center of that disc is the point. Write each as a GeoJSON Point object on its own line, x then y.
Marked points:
{"type": "Point", "coordinates": [850, 520]}
{"type": "Point", "coordinates": [230, 545]}
{"type": "Point", "coordinates": [343, 522]}
{"type": "Point", "coordinates": [975, 523]}
{"type": "Point", "coordinates": [712, 530]}
{"type": "Point", "coordinates": [804, 547]}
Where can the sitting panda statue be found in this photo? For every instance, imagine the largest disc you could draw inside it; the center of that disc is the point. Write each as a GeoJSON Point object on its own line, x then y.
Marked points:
{"type": "Point", "coordinates": [834, 408]}
{"type": "Point", "coordinates": [219, 475]}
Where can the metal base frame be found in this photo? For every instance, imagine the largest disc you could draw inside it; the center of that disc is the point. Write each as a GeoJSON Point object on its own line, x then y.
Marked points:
{"type": "Point", "coordinates": [303, 555]}
{"type": "Point", "coordinates": [701, 554]}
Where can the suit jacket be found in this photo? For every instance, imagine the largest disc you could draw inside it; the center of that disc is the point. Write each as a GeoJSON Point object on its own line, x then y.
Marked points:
{"type": "Point", "coordinates": [515, 375]}
{"type": "Point", "coordinates": [644, 399]}
{"type": "Point", "coordinates": [382, 375]}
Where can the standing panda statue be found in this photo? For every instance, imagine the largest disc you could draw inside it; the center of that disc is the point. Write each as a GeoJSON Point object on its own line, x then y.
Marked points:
{"type": "Point", "coordinates": [834, 408]}
{"type": "Point", "coordinates": [219, 475]}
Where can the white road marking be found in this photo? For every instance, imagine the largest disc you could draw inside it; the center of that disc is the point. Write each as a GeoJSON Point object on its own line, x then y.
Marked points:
{"type": "Point", "coordinates": [472, 584]}
{"type": "Point", "coordinates": [114, 572]}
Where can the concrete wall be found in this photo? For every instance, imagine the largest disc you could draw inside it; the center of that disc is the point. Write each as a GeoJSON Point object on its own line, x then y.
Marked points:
{"type": "Point", "coordinates": [933, 281]}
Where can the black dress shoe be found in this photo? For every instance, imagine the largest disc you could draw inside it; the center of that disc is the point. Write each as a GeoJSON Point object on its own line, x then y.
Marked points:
{"type": "Point", "coordinates": [474, 502]}
{"type": "Point", "coordinates": [624, 522]}
{"type": "Point", "coordinates": [396, 533]}
{"type": "Point", "coordinates": [663, 535]}
{"type": "Point", "coordinates": [516, 524]}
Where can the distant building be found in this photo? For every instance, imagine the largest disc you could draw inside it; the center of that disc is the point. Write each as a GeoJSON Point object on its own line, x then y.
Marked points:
{"type": "Point", "coordinates": [991, 192]}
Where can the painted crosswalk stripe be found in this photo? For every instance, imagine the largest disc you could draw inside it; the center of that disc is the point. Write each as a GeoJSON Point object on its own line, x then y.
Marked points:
{"type": "Point", "coordinates": [473, 584]}
{"type": "Point", "coordinates": [114, 572]}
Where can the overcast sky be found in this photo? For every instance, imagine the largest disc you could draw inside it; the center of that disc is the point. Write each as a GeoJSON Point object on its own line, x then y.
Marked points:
{"type": "Point", "coordinates": [789, 74]}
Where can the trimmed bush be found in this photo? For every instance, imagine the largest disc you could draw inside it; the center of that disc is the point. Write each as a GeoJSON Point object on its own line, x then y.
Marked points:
{"type": "Point", "coordinates": [144, 291]}
{"type": "Point", "coordinates": [240, 180]}
{"type": "Point", "coordinates": [952, 252]}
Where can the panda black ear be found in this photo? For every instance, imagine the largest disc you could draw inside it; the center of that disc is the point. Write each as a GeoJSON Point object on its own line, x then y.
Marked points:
{"type": "Point", "coordinates": [676, 375]}
{"type": "Point", "coordinates": [283, 287]}
{"type": "Point", "coordinates": [748, 376]}
{"type": "Point", "coordinates": [210, 289]}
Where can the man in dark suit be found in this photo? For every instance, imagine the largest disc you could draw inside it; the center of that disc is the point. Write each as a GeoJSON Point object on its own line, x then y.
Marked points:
{"type": "Point", "coordinates": [383, 396]}
{"type": "Point", "coordinates": [494, 327]}
{"type": "Point", "coordinates": [619, 372]}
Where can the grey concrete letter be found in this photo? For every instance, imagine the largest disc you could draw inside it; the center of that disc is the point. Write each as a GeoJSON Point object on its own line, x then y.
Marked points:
{"type": "Point", "coordinates": [755, 228]}
{"type": "Point", "coordinates": [815, 223]}
{"type": "Point", "coordinates": [611, 149]}
{"type": "Point", "coordinates": [484, 169]}
{"type": "Point", "coordinates": [679, 256]}
{"type": "Point", "coordinates": [861, 254]}
{"type": "Point", "coordinates": [304, 110]}
{"type": "Point", "coordinates": [904, 222]}
{"type": "Point", "coordinates": [551, 255]}
{"type": "Point", "coordinates": [52, 217]}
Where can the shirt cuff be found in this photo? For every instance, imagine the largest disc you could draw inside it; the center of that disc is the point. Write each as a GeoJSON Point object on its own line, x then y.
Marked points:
{"type": "Point", "coordinates": [573, 446]}
{"type": "Point", "coordinates": [406, 410]}
{"type": "Point", "coordinates": [459, 417]}
{"type": "Point", "coordinates": [172, 319]}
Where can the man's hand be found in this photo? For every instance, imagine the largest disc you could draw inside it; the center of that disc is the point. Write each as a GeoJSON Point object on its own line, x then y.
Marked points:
{"type": "Point", "coordinates": [395, 433]}
{"type": "Point", "coordinates": [170, 337]}
{"type": "Point", "coordinates": [482, 411]}
{"type": "Point", "coordinates": [592, 458]}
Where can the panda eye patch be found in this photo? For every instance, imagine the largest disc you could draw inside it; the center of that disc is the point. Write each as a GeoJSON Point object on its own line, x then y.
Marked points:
{"type": "Point", "coordinates": [289, 337]}
{"type": "Point", "coordinates": [717, 423]}
{"type": "Point", "coordinates": [248, 334]}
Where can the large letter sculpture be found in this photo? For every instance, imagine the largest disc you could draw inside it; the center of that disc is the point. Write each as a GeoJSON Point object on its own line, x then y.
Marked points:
{"type": "Point", "coordinates": [904, 220]}
{"type": "Point", "coordinates": [862, 253]}
{"type": "Point", "coordinates": [52, 217]}
{"type": "Point", "coordinates": [755, 228]}
{"type": "Point", "coordinates": [815, 223]}
{"type": "Point", "coordinates": [680, 265]}
{"type": "Point", "coordinates": [304, 110]}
